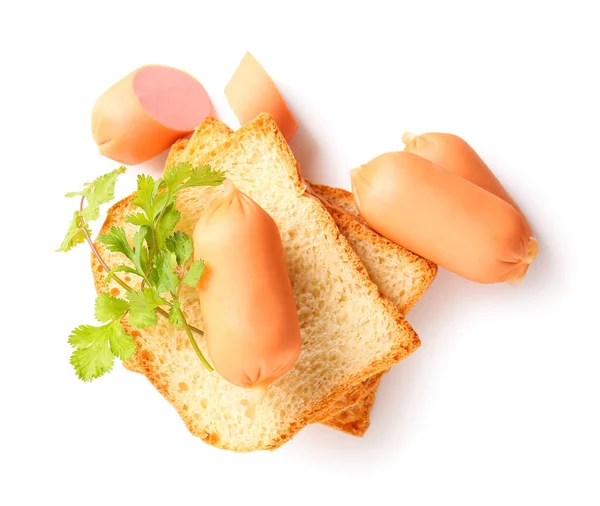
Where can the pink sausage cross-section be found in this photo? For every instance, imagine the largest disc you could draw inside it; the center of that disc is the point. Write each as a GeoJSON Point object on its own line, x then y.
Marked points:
{"type": "Point", "coordinates": [146, 111]}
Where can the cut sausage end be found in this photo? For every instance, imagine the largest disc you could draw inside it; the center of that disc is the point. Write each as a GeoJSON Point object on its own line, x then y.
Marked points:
{"type": "Point", "coordinates": [146, 111]}
{"type": "Point", "coordinates": [171, 97]}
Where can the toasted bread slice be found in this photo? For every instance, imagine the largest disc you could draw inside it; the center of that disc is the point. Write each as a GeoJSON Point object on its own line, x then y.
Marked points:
{"type": "Point", "coordinates": [349, 331]}
{"type": "Point", "coordinates": [400, 275]}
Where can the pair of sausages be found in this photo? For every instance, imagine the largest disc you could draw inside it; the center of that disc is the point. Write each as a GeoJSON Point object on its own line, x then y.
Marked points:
{"type": "Point", "coordinates": [439, 199]}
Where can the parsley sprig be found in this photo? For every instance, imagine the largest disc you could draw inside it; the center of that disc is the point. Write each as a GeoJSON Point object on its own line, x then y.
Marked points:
{"type": "Point", "coordinates": [158, 254]}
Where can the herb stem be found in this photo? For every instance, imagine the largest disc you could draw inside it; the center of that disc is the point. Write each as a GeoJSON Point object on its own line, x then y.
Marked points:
{"type": "Point", "coordinates": [153, 229]}
{"type": "Point", "coordinates": [194, 344]}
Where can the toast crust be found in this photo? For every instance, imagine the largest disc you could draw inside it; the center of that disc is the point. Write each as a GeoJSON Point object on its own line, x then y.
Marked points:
{"type": "Point", "coordinates": [356, 419]}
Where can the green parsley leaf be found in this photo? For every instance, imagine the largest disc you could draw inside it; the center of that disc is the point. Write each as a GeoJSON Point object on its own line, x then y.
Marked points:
{"type": "Point", "coordinates": [139, 219]}
{"type": "Point", "coordinates": [148, 197]}
{"type": "Point", "coordinates": [102, 189]}
{"type": "Point", "coordinates": [181, 244]}
{"type": "Point", "coordinates": [90, 213]}
{"type": "Point", "coordinates": [121, 343]}
{"type": "Point", "coordinates": [116, 241]}
{"type": "Point", "coordinates": [142, 309]}
{"type": "Point", "coordinates": [110, 308]}
{"type": "Point", "coordinates": [175, 316]}
{"type": "Point", "coordinates": [96, 348]}
{"type": "Point", "coordinates": [70, 195]}
{"type": "Point", "coordinates": [163, 276]}
{"type": "Point", "coordinates": [174, 176]}
{"type": "Point", "coordinates": [166, 225]}
{"type": "Point", "coordinates": [85, 335]}
{"type": "Point", "coordinates": [194, 273]}
{"type": "Point", "coordinates": [145, 194]}
{"type": "Point", "coordinates": [160, 203]}
{"type": "Point", "coordinates": [75, 234]}
{"type": "Point", "coordinates": [98, 192]}
{"type": "Point", "coordinates": [204, 176]}
{"type": "Point", "coordinates": [92, 357]}
{"type": "Point", "coordinates": [140, 251]}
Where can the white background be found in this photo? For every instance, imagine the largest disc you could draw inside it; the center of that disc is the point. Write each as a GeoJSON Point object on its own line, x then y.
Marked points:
{"type": "Point", "coordinates": [500, 403]}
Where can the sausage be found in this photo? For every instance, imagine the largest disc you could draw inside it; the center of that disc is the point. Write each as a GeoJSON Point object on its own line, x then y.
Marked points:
{"type": "Point", "coordinates": [248, 308]}
{"type": "Point", "coordinates": [146, 111]}
{"type": "Point", "coordinates": [454, 154]}
{"type": "Point", "coordinates": [251, 91]}
{"type": "Point", "coordinates": [443, 217]}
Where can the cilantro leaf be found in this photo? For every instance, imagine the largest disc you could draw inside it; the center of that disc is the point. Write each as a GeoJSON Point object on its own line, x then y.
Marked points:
{"type": "Point", "coordinates": [92, 362]}
{"type": "Point", "coordinates": [181, 244]}
{"type": "Point", "coordinates": [96, 348]}
{"type": "Point", "coordinates": [194, 273]}
{"type": "Point", "coordinates": [121, 343]}
{"type": "Point", "coordinates": [139, 219]}
{"type": "Point", "coordinates": [85, 335]}
{"type": "Point", "coordinates": [163, 276]}
{"type": "Point", "coordinates": [90, 212]}
{"type": "Point", "coordinates": [166, 225]}
{"type": "Point", "coordinates": [70, 195]}
{"type": "Point", "coordinates": [116, 241]}
{"type": "Point", "coordinates": [102, 189]}
{"type": "Point", "coordinates": [140, 251]}
{"type": "Point", "coordinates": [175, 316]}
{"type": "Point", "coordinates": [92, 357]}
{"type": "Point", "coordinates": [147, 196]}
{"type": "Point", "coordinates": [75, 234]}
{"type": "Point", "coordinates": [98, 192]}
{"type": "Point", "coordinates": [142, 309]}
{"type": "Point", "coordinates": [145, 193]}
{"type": "Point", "coordinates": [175, 175]}
{"type": "Point", "coordinates": [110, 308]}
{"type": "Point", "coordinates": [160, 203]}
{"type": "Point", "coordinates": [204, 176]}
